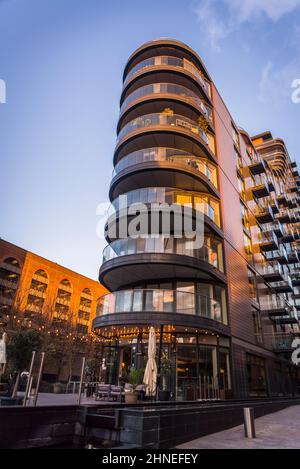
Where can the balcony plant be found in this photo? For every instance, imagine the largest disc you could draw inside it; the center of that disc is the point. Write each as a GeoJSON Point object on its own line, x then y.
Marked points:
{"type": "Point", "coordinates": [166, 366]}
{"type": "Point", "coordinates": [135, 377]}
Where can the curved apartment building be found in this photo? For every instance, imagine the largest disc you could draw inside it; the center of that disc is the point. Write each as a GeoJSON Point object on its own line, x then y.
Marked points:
{"type": "Point", "coordinates": [178, 145]}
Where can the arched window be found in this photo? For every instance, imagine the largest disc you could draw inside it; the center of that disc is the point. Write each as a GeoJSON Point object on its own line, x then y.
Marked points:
{"type": "Point", "coordinates": [63, 301]}
{"type": "Point", "coordinates": [10, 272]}
{"type": "Point", "coordinates": [37, 294]}
{"type": "Point", "coordinates": [84, 311]}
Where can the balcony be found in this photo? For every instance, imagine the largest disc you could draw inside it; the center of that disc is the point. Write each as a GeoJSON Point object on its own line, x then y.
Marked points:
{"type": "Point", "coordinates": [207, 205]}
{"type": "Point", "coordinates": [264, 214]}
{"type": "Point", "coordinates": [268, 241]}
{"type": "Point", "coordinates": [164, 245]}
{"type": "Point", "coordinates": [272, 272]}
{"type": "Point", "coordinates": [170, 155]}
{"type": "Point", "coordinates": [161, 62]}
{"type": "Point", "coordinates": [11, 284]}
{"type": "Point", "coordinates": [293, 258]}
{"type": "Point", "coordinates": [257, 167]}
{"type": "Point", "coordinates": [260, 188]}
{"type": "Point", "coordinates": [279, 255]}
{"type": "Point", "coordinates": [160, 257]}
{"type": "Point", "coordinates": [168, 167]}
{"type": "Point", "coordinates": [292, 202]}
{"type": "Point", "coordinates": [296, 279]}
{"type": "Point", "coordinates": [157, 90]}
{"type": "Point", "coordinates": [283, 342]}
{"type": "Point", "coordinates": [10, 267]}
{"type": "Point", "coordinates": [274, 227]}
{"type": "Point", "coordinates": [283, 216]}
{"type": "Point", "coordinates": [282, 200]}
{"type": "Point", "coordinates": [274, 205]}
{"type": "Point", "coordinates": [37, 293]}
{"type": "Point", "coordinates": [159, 301]}
{"type": "Point", "coordinates": [281, 312]}
{"type": "Point", "coordinates": [283, 286]}
{"type": "Point", "coordinates": [166, 121]}
{"type": "Point", "coordinates": [288, 235]}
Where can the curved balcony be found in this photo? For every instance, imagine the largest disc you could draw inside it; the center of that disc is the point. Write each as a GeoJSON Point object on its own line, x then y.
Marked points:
{"type": "Point", "coordinates": [171, 155]}
{"type": "Point", "coordinates": [166, 123]}
{"type": "Point", "coordinates": [161, 301]}
{"type": "Point", "coordinates": [168, 167]}
{"type": "Point", "coordinates": [206, 204]}
{"type": "Point", "coordinates": [129, 261]}
{"type": "Point", "coordinates": [163, 61]}
{"type": "Point", "coordinates": [157, 90]}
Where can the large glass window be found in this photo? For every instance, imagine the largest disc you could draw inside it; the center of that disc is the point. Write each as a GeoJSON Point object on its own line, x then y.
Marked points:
{"type": "Point", "coordinates": [258, 333]}
{"type": "Point", "coordinates": [252, 285]}
{"type": "Point", "coordinates": [257, 384]}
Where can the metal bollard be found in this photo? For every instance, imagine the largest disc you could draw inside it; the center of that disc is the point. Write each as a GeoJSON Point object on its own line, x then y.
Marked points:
{"type": "Point", "coordinates": [249, 422]}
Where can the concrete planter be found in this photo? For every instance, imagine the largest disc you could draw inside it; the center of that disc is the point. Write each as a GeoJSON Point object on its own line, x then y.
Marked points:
{"type": "Point", "coordinates": [131, 397]}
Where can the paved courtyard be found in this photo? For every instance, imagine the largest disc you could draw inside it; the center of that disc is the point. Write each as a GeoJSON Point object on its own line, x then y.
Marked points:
{"type": "Point", "coordinates": [278, 430]}
{"type": "Point", "coordinates": [62, 399]}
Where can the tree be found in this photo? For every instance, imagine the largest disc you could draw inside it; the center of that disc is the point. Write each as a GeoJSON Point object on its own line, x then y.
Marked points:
{"type": "Point", "coordinates": [20, 348]}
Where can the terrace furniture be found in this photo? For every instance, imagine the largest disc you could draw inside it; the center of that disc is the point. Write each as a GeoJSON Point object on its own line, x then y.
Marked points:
{"type": "Point", "coordinates": [103, 391]}
{"type": "Point", "coordinates": [116, 392]}
{"type": "Point", "coordinates": [141, 390]}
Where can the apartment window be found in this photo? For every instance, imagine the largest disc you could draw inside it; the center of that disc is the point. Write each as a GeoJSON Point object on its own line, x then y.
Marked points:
{"type": "Point", "coordinates": [257, 326]}
{"type": "Point", "coordinates": [238, 159]}
{"type": "Point", "coordinates": [241, 187]}
{"type": "Point", "coordinates": [252, 285]}
{"type": "Point", "coordinates": [245, 217]}
{"type": "Point", "coordinates": [248, 247]}
{"type": "Point", "coordinates": [82, 328]}
{"type": "Point", "coordinates": [256, 370]}
{"type": "Point", "coordinates": [235, 136]}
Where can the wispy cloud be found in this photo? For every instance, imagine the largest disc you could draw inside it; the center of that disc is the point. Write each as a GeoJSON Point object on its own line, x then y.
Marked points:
{"type": "Point", "coordinates": [275, 82]}
{"type": "Point", "coordinates": [219, 18]}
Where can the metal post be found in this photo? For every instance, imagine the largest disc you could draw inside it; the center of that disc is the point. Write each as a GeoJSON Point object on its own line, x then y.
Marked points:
{"type": "Point", "coordinates": [16, 386]}
{"type": "Point", "coordinates": [39, 378]}
{"type": "Point", "coordinates": [30, 389]}
{"type": "Point", "coordinates": [200, 393]}
{"type": "Point", "coordinates": [29, 379]}
{"type": "Point", "coordinates": [81, 380]}
{"type": "Point", "coordinates": [159, 360]}
{"type": "Point", "coordinates": [249, 422]}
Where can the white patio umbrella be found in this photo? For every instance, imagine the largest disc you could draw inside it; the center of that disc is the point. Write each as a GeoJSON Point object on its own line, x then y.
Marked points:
{"type": "Point", "coordinates": [150, 375]}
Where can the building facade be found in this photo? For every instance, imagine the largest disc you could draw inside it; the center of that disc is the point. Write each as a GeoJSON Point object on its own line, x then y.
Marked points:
{"type": "Point", "coordinates": [33, 288]}
{"type": "Point", "coordinates": [225, 314]}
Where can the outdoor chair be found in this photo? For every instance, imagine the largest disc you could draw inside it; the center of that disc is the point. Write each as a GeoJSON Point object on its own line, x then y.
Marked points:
{"type": "Point", "coordinates": [103, 391]}
{"type": "Point", "coordinates": [116, 392]}
{"type": "Point", "coordinates": [141, 389]}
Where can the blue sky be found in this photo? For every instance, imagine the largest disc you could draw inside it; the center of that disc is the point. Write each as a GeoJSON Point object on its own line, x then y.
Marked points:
{"type": "Point", "coordinates": [62, 62]}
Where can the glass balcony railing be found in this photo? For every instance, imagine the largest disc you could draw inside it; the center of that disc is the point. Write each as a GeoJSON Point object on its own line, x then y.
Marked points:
{"type": "Point", "coordinates": [168, 88]}
{"type": "Point", "coordinates": [210, 252]}
{"type": "Point", "coordinates": [283, 341]}
{"type": "Point", "coordinates": [173, 62]}
{"type": "Point", "coordinates": [275, 302]}
{"type": "Point", "coordinates": [162, 195]}
{"type": "Point", "coordinates": [272, 267]}
{"type": "Point", "coordinates": [160, 301]}
{"type": "Point", "coordinates": [171, 155]}
{"type": "Point", "coordinates": [165, 119]}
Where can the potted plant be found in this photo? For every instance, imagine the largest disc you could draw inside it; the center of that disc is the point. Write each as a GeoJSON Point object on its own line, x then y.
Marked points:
{"type": "Point", "coordinates": [58, 388]}
{"type": "Point", "coordinates": [165, 373]}
{"type": "Point", "coordinates": [134, 379]}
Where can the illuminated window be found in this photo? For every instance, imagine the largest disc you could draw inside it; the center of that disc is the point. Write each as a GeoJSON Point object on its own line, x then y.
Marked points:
{"type": "Point", "coordinates": [241, 187]}
{"type": "Point", "coordinates": [252, 285]}
{"type": "Point", "coordinates": [248, 247]}
{"type": "Point", "coordinates": [245, 217]}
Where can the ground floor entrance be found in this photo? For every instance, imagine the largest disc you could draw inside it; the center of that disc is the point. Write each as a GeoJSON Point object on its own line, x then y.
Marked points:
{"type": "Point", "coordinates": [197, 363]}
